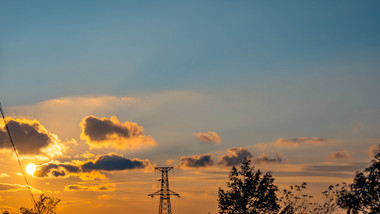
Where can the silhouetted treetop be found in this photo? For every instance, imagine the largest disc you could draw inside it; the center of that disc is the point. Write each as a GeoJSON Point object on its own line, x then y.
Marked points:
{"type": "Point", "coordinates": [249, 191]}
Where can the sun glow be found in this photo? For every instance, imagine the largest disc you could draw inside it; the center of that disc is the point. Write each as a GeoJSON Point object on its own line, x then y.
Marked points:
{"type": "Point", "coordinates": [30, 168]}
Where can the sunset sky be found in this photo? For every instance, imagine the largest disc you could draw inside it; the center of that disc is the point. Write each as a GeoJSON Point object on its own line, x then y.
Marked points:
{"type": "Point", "coordinates": [98, 93]}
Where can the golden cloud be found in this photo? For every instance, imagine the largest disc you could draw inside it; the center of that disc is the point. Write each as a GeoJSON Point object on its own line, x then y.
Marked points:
{"type": "Point", "coordinates": [209, 137]}
{"type": "Point", "coordinates": [106, 133]}
{"type": "Point", "coordinates": [104, 197]}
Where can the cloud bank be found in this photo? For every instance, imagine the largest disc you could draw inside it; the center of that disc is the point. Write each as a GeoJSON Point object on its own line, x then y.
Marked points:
{"type": "Point", "coordinates": [105, 133]}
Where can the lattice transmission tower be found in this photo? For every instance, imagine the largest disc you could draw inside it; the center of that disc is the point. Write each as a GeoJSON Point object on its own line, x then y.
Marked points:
{"type": "Point", "coordinates": [164, 192]}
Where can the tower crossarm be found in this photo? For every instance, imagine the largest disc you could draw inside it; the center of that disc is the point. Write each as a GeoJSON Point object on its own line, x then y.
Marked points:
{"type": "Point", "coordinates": [174, 193]}
{"type": "Point", "coordinates": [160, 192]}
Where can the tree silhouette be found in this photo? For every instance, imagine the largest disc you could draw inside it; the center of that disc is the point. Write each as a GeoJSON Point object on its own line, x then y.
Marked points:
{"type": "Point", "coordinates": [250, 192]}
{"type": "Point", "coordinates": [45, 205]}
{"type": "Point", "coordinates": [364, 193]}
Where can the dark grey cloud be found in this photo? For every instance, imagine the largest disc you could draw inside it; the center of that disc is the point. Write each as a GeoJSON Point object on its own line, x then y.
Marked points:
{"type": "Point", "coordinates": [235, 156]}
{"type": "Point", "coordinates": [197, 161]}
{"type": "Point", "coordinates": [30, 137]}
{"type": "Point", "coordinates": [99, 129]}
{"type": "Point", "coordinates": [114, 162]}
{"type": "Point", "coordinates": [111, 162]}
{"type": "Point", "coordinates": [56, 169]}
{"type": "Point", "coordinates": [104, 132]}
{"type": "Point", "coordinates": [264, 158]}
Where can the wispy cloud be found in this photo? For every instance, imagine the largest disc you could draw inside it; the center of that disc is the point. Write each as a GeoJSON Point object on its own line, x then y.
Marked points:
{"type": "Point", "coordinates": [234, 156]}
{"type": "Point", "coordinates": [208, 137]}
{"type": "Point", "coordinates": [197, 161]}
{"type": "Point", "coordinates": [292, 142]}
{"type": "Point", "coordinates": [7, 187]}
{"type": "Point", "coordinates": [104, 132]}
{"type": "Point", "coordinates": [108, 187]}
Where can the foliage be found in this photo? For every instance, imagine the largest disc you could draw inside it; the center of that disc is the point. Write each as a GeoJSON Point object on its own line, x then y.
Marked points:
{"type": "Point", "coordinates": [45, 205]}
{"type": "Point", "coordinates": [364, 193]}
{"type": "Point", "coordinates": [249, 192]}
{"type": "Point", "coordinates": [329, 200]}
{"type": "Point", "coordinates": [295, 201]}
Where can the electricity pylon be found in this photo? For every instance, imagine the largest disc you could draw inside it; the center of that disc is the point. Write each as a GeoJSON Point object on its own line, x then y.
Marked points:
{"type": "Point", "coordinates": [164, 192]}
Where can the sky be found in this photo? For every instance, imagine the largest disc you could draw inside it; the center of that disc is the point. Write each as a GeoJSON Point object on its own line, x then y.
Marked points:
{"type": "Point", "coordinates": [98, 93]}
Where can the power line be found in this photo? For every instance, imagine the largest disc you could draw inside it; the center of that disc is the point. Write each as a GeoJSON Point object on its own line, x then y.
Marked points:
{"type": "Point", "coordinates": [18, 158]}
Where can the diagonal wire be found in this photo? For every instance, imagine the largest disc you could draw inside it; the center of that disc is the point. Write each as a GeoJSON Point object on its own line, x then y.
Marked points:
{"type": "Point", "coordinates": [18, 158]}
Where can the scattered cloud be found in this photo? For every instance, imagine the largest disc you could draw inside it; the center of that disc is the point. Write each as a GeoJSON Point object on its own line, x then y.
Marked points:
{"type": "Point", "coordinates": [4, 175]}
{"type": "Point", "coordinates": [374, 150]}
{"type": "Point", "coordinates": [209, 137]}
{"type": "Point", "coordinates": [104, 197]}
{"type": "Point", "coordinates": [108, 187]}
{"type": "Point", "coordinates": [235, 156]}
{"type": "Point", "coordinates": [264, 158]}
{"type": "Point", "coordinates": [105, 133]}
{"type": "Point", "coordinates": [197, 161]}
{"type": "Point", "coordinates": [90, 170]}
{"type": "Point", "coordinates": [86, 155]}
{"type": "Point", "coordinates": [340, 155]}
{"type": "Point", "coordinates": [30, 138]}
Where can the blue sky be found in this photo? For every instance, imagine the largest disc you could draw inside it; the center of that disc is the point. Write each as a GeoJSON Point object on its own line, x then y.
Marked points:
{"type": "Point", "coordinates": [272, 77]}
{"type": "Point", "coordinates": [74, 48]}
